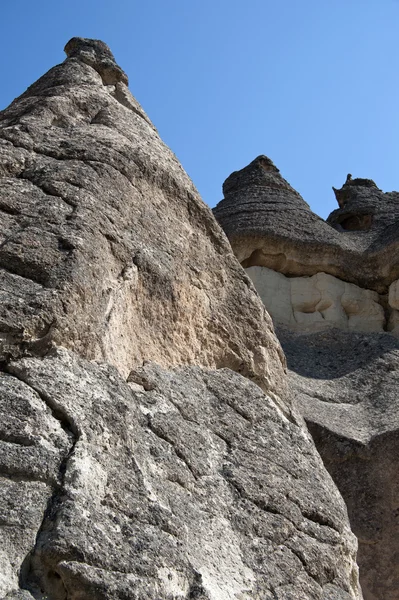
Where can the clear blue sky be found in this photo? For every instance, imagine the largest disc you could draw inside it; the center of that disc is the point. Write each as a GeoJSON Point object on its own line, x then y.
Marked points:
{"type": "Point", "coordinates": [311, 83]}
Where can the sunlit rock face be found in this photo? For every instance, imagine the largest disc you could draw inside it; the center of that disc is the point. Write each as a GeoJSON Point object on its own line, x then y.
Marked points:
{"type": "Point", "coordinates": [318, 302]}
{"type": "Point", "coordinates": [87, 261]}
{"type": "Point", "coordinates": [269, 224]}
{"type": "Point", "coordinates": [332, 289]}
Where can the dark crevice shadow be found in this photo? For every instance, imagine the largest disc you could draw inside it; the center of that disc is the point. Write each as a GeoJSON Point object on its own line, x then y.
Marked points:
{"type": "Point", "coordinates": [334, 353]}
{"type": "Point", "coordinates": [367, 477]}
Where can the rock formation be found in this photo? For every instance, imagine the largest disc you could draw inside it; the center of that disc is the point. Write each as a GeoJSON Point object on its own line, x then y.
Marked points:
{"type": "Point", "coordinates": [148, 449]}
{"type": "Point", "coordinates": [332, 290]}
{"type": "Point", "coordinates": [269, 224]}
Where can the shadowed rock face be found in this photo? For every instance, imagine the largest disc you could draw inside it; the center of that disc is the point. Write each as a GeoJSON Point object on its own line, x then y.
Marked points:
{"type": "Point", "coordinates": [346, 386]}
{"type": "Point", "coordinates": [163, 471]}
{"type": "Point", "coordinates": [331, 288]}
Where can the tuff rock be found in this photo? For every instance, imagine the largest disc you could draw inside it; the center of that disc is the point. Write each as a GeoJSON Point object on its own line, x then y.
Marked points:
{"type": "Point", "coordinates": [149, 449]}
{"type": "Point", "coordinates": [332, 290]}
{"type": "Point", "coordinates": [103, 232]}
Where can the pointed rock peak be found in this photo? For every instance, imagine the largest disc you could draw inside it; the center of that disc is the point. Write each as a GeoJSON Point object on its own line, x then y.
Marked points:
{"type": "Point", "coordinates": [257, 200]}
{"type": "Point", "coordinates": [265, 163]}
{"type": "Point", "coordinates": [352, 188]}
{"type": "Point", "coordinates": [96, 54]}
{"type": "Point", "coordinates": [255, 173]}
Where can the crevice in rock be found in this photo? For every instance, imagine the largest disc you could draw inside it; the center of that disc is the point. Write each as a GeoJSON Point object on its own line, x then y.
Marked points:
{"type": "Point", "coordinates": [47, 191]}
{"type": "Point", "coordinates": [304, 564]}
{"type": "Point", "coordinates": [44, 582]}
{"type": "Point", "coordinates": [14, 274]}
{"type": "Point", "coordinates": [163, 436]}
{"type": "Point", "coordinates": [19, 440]}
{"type": "Point", "coordinates": [8, 210]}
{"type": "Point", "coordinates": [12, 237]}
{"type": "Point", "coordinates": [263, 506]}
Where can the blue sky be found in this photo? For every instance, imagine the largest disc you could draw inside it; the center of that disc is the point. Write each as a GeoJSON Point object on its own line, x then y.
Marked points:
{"type": "Point", "coordinates": [311, 83]}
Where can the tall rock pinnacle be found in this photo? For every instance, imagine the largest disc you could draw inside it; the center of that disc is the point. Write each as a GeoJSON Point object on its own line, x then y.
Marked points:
{"type": "Point", "coordinates": [94, 262]}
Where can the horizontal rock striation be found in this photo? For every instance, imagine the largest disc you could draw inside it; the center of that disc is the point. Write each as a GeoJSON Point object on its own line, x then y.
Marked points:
{"type": "Point", "coordinates": [269, 224]}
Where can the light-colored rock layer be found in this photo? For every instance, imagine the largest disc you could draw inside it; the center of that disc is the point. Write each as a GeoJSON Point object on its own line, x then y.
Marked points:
{"type": "Point", "coordinates": [181, 484]}
{"type": "Point", "coordinates": [317, 302]}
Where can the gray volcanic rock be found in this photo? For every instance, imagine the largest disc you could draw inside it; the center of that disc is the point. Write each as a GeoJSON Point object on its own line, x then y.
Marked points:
{"type": "Point", "coordinates": [269, 224]}
{"type": "Point", "coordinates": [192, 485]}
{"type": "Point", "coordinates": [136, 480]}
{"type": "Point", "coordinates": [344, 383]}
{"type": "Point", "coordinates": [346, 386]}
{"type": "Point", "coordinates": [105, 245]}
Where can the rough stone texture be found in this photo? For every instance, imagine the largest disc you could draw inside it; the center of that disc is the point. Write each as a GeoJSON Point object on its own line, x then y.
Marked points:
{"type": "Point", "coordinates": [346, 386]}
{"type": "Point", "coordinates": [105, 245]}
{"type": "Point", "coordinates": [192, 484]}
{"type": "Point", "coordinates": [318, 302]}
{"type": "Point", "coordinates": [141, 481]}
{"type": "Point", "coordinates": [269, 224]}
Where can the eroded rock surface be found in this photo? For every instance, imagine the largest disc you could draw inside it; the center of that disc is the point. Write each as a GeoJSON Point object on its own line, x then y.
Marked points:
{"type": "Point", "coordinates": [269, 224]}
{"type": "Point", "coordinates": [332, 290]}
{"type": "Point", "coordinates": [191, 485]}
{"type": "Point", "coordinates": [105, 245]}
{"type": "Point", "coordinates": [346, 386]}
{"type": "Point", "coordinates": [318, 302]}
{"type": "Point", "coordinates": [131, 479]}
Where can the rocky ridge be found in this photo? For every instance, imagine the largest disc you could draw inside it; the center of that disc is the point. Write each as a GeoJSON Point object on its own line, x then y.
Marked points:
{"type": "Point", "coordinates": [148, 448]}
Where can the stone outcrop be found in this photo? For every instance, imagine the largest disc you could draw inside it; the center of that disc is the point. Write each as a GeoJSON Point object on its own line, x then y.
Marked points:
{"type": "Point", "coordinates": [332, 290]}
{"type": "Point", "coordinates": [191, 484]}
{"type": "Point", "coordinates": [103, 233]}
{"type": "Point", "coordinates": [270, 225]}
{"type": "Point", "coordinates": [346, 386]}
{"type": "Point", "coordinates": [148, 449]}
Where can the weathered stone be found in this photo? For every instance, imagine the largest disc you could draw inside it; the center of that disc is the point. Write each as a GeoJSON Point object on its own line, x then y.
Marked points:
{"type": "Point", "coordinates": [346, 386]}
{"type": "Point", "coordinates": [198, 487]}
{"type": "Point", "coordinates": [139, 480]}
{"type": "Point", "coordinates": [106, 246]}
{"type": "Point", "coordinates": [33, 446]}
{"type": "Point", "coordinates": [270, 225]}
{"type": "Point", "coordinates": [344, 383]}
